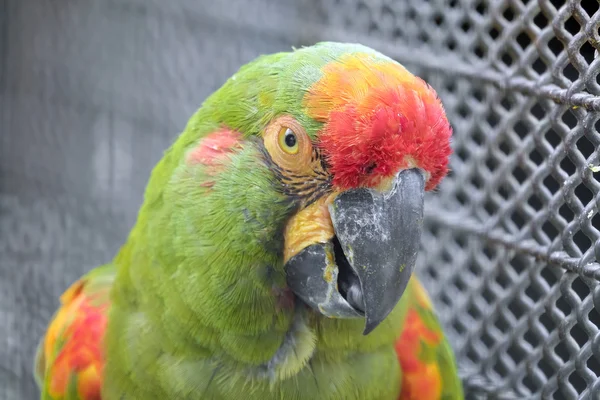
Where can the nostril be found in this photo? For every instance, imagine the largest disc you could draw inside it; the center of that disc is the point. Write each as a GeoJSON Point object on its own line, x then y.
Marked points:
{"type": "Point", "coordinates": [370, 168]}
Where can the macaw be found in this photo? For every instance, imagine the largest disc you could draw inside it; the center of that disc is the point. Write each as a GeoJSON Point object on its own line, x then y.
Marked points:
{"type": "Point", "coordinates": [273, 255]}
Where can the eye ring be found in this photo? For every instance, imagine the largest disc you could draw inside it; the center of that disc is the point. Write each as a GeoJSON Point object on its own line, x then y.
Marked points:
{"type": "Point", "coordinates": [288, 140]}
{"type": "Point", "coordinates": [287, 143]}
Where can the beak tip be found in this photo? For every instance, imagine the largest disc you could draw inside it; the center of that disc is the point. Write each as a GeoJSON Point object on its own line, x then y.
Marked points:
{"type": "Point", "coordinates": [372, 323]}
{"type": "Point", "coordinates": [368, 329]}
{"type": "Point", "coordinates": [374, 318]}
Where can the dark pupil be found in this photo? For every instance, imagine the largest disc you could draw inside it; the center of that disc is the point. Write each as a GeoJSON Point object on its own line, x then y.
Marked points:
{"type": "Point", "coordinates": [290, 138]}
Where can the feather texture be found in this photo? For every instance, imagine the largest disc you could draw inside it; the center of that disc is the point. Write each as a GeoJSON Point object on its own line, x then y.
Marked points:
{"type": "Point", "coordinates": [70, 358]}
{"type": "Point", "coordinates": [426, 359]}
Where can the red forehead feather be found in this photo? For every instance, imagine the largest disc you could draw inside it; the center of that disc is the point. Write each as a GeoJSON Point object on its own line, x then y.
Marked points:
{"type": "Point", "coordinates": [378, 118]}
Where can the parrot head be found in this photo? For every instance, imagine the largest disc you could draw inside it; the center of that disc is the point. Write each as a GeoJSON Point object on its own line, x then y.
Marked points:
{"type": "Point", "coordinates": [323, 154]}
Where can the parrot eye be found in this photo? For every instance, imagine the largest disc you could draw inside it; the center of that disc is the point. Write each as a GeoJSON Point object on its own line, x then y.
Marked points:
{"type": "Point", "coordinates": [288, 140]}
{"type": "Point", "coordinates": [288, 144]}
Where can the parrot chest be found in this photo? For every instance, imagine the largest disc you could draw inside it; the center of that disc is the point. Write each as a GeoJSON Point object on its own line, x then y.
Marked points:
{"type": "Point", "coordinates": [150, 366]}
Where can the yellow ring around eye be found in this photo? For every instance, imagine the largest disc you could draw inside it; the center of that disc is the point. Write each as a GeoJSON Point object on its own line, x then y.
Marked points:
{"type": "Point", "coordinates": [294, 157]}
{"type": "Point", "coordinates": [288, 141]}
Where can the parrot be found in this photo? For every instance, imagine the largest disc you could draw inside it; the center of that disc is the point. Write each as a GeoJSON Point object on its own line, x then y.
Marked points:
{"type": "Point", "coordinates": [273, 255]}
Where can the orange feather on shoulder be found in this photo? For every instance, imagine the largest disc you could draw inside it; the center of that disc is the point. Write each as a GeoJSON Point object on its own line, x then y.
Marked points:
{"type": "Point", "coordinates": [71, 352]}
{"type": "Point", "coordinates": [421, 380]}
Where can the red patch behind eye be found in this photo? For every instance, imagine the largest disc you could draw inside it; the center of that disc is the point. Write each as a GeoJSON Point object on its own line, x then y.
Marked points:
{"type": "Point", "coordinates": [213, 151]}
{"type": "Point", "coordinates": [214, 147]}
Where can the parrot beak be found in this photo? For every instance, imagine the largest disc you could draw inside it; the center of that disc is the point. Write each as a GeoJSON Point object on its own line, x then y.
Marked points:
{"type": "Point", "coordinates": [363, 270]}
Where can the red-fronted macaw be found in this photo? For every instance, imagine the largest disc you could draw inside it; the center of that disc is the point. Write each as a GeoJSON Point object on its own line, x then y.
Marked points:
{"type": "Point", "coordinates": [272, 256]}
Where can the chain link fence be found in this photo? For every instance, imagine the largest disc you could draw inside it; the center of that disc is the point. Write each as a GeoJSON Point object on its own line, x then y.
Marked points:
{"type": "Point", "coordinates": [91, 93]}
{"type": "Point", "coordinates": [512, 248]}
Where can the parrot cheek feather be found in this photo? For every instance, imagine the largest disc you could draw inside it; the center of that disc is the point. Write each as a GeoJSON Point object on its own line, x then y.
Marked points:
{"type": "Point", "coordinates": [212, 155]}
{"type": "Point", "coordinates": [213, 148]}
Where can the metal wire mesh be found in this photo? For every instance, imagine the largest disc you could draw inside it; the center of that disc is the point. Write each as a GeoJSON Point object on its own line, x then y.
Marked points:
{"type": "Point", "coordinates": [512, 247]}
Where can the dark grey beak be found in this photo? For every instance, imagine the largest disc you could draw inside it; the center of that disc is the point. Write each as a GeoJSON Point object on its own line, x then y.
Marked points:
{"type": "Point", "coordinates": [364, 269]}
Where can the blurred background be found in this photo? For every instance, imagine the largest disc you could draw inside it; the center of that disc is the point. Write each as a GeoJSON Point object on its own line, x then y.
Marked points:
{"type": "Point", "coordinates": [92, 93]}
